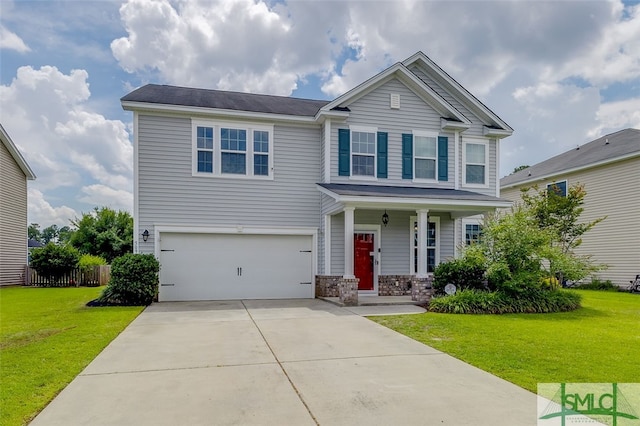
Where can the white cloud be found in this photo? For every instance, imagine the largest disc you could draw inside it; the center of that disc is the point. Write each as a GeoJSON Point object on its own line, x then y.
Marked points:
{"type": "Point", "coordinates": [66, 143]}
{"type": "Point", "coordinates": [40, 211]}
{"type": "Point", "coordinates": [11, 41]}
{"type": "Point", "coordinates": [612, 116]}
{"type": "Point", "coordinates": [101, 195]}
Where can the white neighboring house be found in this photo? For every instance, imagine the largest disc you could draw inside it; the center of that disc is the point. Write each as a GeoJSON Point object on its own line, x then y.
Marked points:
{"type": "Point", "coordinates": [609, 167]}
{"type": "Point", "coordinates": [247, 196]}
{"type": "Point", "coordinates": [14, 173]}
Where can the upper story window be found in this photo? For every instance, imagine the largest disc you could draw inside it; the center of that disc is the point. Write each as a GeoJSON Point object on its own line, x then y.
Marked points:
{"type": "Point", "coordinates": [559, 188]}
{"type": "Point", "coordinates": [476, 163]}
{"type": "Point", "coordinates": [363, 153]}
{"type": "Point", "coordinates": [238, 150]}
{"type": "Point", "coordinates": [425, 156]}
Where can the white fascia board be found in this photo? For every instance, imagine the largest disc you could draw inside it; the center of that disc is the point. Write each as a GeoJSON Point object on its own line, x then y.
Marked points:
{"type": "Point", "coordinates": [407, 77]}
{"type": "Point", "coordinates": [17, 156]}
{"type": "Point", "coordinates": [496, 133]}
{"type": "Point", "coordinates": [402, 201]}
{"type": "Point", "coordinates": [446, 124]}
{"type": "Point", "coordinates": [572, 170]}
{"type": "Point", "coordinates": [428, 63]}
{"type": "Point", "coordinates": [334, 115]}
{"type": "Point", "coordinates": [217, 112]}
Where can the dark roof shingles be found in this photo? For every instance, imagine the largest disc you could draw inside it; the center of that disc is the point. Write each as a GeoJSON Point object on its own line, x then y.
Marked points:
{"type": "Point", "coordinates": [621, 143]}
{"type": "Point", "coordinates": [406, 191]}
{"type": "Point", "coordinates": [208, 98]}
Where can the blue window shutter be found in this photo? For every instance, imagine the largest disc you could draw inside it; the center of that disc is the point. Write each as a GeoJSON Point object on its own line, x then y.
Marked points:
{"type": "Point", "coordinates": [344, 152]}
{"type": "Point", "coordinates": [382, 155]}
{"type": "Point", "coordinates": [443, 158]}
{"type": "Point", "coordinates": [407, 156]}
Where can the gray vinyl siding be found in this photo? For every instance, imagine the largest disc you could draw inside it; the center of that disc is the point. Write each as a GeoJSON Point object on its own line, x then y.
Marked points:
{"type": "Point", "coordinates": [373, 110]}
{"type": "Point", "coordinates": [170, 194]}
{"type": "Point", "coordinates": [337, 244]}
{"type": "Point", "coordinates": [13, 220]}
{"type": "Point", "coordinates": [612, 191]}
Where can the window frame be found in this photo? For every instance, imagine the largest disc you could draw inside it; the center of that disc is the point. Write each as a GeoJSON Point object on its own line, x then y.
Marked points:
{"type": "Point", "coordinates": [566, 187]}
{"type": "Point", "coordinates": [426, 134]}
{"type": "Point", "coordinates": [470, 222]}
{"type": "Point", "coordinates": [249, 152]}
{"type": "Point", "coordinates": [412, 244]}
{"type": "Point", "coordinates": [363, 129]}
{"type": "Point", "coordinates": [475, 141]}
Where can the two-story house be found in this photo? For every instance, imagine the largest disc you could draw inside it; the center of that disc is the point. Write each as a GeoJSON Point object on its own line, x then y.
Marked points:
{"type": "Point", "coordinates": [246, 196]}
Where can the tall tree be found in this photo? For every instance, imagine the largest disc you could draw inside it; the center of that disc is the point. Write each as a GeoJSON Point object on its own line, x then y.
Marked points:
{"type": "Point", "coordinates": [103, 232]}
{"type": "Point", "coordinates": [33, 232]}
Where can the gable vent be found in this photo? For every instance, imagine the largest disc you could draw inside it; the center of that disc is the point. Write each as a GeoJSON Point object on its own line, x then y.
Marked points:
{"type": "Point", "coordinates": [394, 101]}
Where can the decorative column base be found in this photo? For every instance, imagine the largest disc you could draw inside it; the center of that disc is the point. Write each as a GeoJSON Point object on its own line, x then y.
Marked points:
{"type": "Point", "coordinates": [348, 291]}
{"type": "Point", "coordinates": [421, 289]}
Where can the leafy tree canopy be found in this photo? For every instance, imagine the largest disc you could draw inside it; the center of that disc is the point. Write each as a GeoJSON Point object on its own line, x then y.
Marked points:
{"type": "Point", "coordinates": [517, 169]}
{"type": "Point", "coordinates": [103, 232]}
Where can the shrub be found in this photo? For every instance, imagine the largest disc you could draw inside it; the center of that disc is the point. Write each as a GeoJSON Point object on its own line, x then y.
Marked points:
{"type": "Point", "coordinates": [134, 280]}
{"type": "Point", "coordinates": [53, 261]}
{"type": "Point", "coordinates": [464, 273]}
{"type": "Point", "coordinates": [530, 300]}
{"type": "Point", "coordinates": [598, 284]}
{"type": "Point", "coordinates": [87, 266]}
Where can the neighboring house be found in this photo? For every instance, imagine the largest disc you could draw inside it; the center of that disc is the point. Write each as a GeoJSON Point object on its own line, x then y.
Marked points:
{"type": "Point", "coordinates": [609, 168]}
{"type": "Point", "coordinates": [256, 196]}
{"type": "Point", "coordinates": [14, 173]}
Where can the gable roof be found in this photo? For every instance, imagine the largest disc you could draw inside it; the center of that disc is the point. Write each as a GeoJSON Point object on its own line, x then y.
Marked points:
{"type": "Point", "coordinates": [606, 149]}
{"type": "Point", "coordinates": [15, 153]}
{"type": "Point", "coordinates": [463, 95]}
{"type": "Point", "coordinates": [411, 80]}
{"type": "Point", "coordinates": [220, 99]}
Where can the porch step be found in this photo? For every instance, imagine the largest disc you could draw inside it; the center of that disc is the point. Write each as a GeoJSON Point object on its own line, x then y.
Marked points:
{"type": "Point", "coordinates": [375, 300]}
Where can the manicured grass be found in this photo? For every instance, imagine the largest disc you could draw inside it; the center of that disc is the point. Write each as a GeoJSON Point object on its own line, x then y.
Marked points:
{"type": "Point", "coordinates": [599, 342]}
{"type": "Point", "coordinates": [47, 337]}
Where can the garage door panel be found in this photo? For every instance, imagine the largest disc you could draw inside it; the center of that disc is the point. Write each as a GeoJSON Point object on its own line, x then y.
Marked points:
{"type": "Point", "coordinates": [232, 266]}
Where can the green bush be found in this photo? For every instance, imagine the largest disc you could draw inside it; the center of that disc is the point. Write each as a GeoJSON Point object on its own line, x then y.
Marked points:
{"type": "Point", "coordinates": [134, 280]}
{"type": "Point", "coordinates": [598, 284]}
{"type": "Point", "coordinates": [464, 273]}
{"type": "Point", "coordinates": [53, 261]}
{"type": "Point", "coordinates": [531, 300]}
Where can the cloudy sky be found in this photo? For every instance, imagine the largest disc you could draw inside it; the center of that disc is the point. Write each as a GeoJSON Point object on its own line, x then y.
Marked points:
{"type": "Point", "coordinates": [560, 73]}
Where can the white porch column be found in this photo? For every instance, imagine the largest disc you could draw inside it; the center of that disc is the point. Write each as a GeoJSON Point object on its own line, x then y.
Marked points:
{"type": "Point", "coordinates": [423, 226]}
{"type": "Point", "coordinates": [348, 242]}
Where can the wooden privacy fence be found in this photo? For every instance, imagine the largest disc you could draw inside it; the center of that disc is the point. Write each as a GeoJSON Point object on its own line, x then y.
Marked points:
{"type": "Point", "coordinates": [96, 276]}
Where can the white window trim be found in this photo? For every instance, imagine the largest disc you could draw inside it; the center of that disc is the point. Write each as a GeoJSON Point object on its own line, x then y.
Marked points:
{"type": "Point", "coordinates": [466, 222]}
{"type": "Point", "coordinates": [555, 182]}
{"type": "Point", "coordinates": [363, 129]}
{"type": "Point", "coordinates": [412, 257]}
{"type": "Point", "coordinates": [426, 134]}
{"type": "Point", "coordinates": [474, 141]}
{"type": "Point", "coordinates": [217, 169]}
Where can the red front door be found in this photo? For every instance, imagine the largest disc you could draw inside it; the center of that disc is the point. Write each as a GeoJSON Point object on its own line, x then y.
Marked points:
{"type": "Point", "coordinates": [363, 260]}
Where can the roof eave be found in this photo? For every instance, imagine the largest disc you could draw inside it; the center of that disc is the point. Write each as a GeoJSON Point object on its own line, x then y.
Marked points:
{"type": "Point", "coordinates": [17, 156]}
{"type": "Point", "coordinates": [570, 170]}
{"type": "Point", "coordinates": [218, 112]}
{"type": "Point", "coordinates": [496, 133]}
{"type": "Point", "coordinates": [446, 124]}
{"type": "Point", "coordinates": [426, 61]}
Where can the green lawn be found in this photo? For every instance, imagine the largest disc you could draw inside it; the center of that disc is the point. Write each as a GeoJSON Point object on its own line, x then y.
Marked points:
{"type": "Point", "coordinates": [598, 343]}
{"type": "Point", "coordinates": [47, 337]}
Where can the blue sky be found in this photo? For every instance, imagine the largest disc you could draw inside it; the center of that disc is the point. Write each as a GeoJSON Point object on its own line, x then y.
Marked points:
{"type": "Point", "coordinates": [561, 73]}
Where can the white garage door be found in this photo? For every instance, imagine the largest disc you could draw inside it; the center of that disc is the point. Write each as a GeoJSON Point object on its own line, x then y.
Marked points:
{"type": "Point", "coordinates": [235, 266]}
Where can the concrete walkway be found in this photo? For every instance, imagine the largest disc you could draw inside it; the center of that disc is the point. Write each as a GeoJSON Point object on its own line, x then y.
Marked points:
{"type": "Point", "coordinates": [281, 362]}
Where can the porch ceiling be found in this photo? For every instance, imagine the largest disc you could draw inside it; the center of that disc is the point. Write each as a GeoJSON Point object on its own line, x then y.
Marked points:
{"type": "Point", "coordinates": [459, 203]}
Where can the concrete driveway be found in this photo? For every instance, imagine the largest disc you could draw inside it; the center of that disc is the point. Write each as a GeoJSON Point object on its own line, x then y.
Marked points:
{"type": "Point", "coordinates": [280, 362]}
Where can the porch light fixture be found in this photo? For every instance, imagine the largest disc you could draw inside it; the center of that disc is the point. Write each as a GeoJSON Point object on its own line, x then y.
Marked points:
{"type": "Point", "coordinates": [145, 235]}
{"type": "Point", "coordinates": [385, 218]}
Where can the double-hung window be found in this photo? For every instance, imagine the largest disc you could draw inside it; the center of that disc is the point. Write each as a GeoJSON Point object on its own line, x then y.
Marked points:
{"type": "Point", "coordinates": [425, 155]}
{"type": "Point", "coordinates": [363, 153]}
{"type": "Point", "coordinates": [476, 163]}
{"type": "Point", "coordinates": [559, 188]}
{"type": "Point", "coordinates": [232, 150]}
{"type": "Point", "coordinates": [472, 233]}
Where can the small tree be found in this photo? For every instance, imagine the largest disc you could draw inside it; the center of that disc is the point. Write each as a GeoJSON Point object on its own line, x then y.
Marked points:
{"type": "Point", "coordinates": [104, 232]}
{"type": "Point", "coordinates": [53, 261]}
